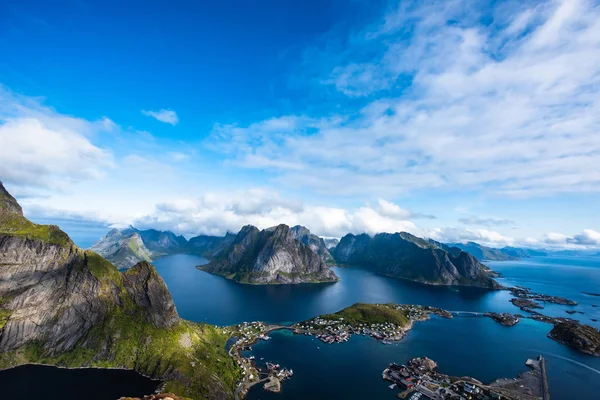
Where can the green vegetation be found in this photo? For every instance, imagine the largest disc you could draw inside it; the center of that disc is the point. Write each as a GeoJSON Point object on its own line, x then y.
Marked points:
{"type": "Point", "coordinates": [361, 313]}
{"type": "Point", "coordinates": [16, 225]}
{"type": "Point", "coordinates": [190, 357]}
{"type": "Point", "coordinates": [102, 269]}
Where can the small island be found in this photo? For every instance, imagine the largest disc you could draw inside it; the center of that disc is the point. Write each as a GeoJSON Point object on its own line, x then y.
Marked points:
{"type": "Point", "coordinates": [525, 293]}
{"type": "Point", "coordinates": [582, 337]}
{"type": "Point", "coordinates": [506, 319]}
{"type": "Point", "coordinates": [385, 322]}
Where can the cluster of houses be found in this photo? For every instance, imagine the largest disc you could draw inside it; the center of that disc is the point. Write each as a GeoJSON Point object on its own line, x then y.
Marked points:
{"type": "Point", "coordinates": [419, 381]}
{"type": "Point", "coordinates": [337, 331]}
{"type": "Point", "coordinates": [421, 313]}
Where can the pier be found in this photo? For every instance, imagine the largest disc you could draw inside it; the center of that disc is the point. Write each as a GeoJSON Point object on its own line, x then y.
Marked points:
{"type": "Point", "coordinates": [545, 389]}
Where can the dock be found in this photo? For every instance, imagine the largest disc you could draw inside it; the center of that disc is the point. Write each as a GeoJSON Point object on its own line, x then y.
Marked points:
{"type": "Point", "coordinates": [545, 389]}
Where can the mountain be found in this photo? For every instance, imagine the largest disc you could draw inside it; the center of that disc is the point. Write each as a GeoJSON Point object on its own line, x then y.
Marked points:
{"type": "Point", "coordinates": [331, 243]}
{"type": "Point", "coordinates": [160, 242]}
{"type": "Point", "coordinates": [450, 249]}
{"type": "Point", "coordinates": [61, 305]}
{"type": "Point", "coordinates": [482, 253]}
{"type": "Point", "coordinates": [269, 256]}
{"type": "Point", "coordinates": [402, 255]}
{"type": "Point", "coordinates": [210, 246]}
{"type": "Point", "coordinates": [124, 251]}
{"type": "Point", "coordinates": [566, 253]}
{"type": "Point", "coordinates": [523, 253]}
{"type": "Point", "coordinates": [315, 243]}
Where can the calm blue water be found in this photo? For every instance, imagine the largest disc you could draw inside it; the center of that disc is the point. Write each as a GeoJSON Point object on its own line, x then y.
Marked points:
{"type": "Point", "coordinates": [200, 296]}
{"type": "Point", "coordinates": [35, 382]}
{"type": "Point", "coordinates": [473, 346]}
{"type": "Point", "coordinates": [463, 346]}
{"type": "Point", "coordinates": [558, 276]}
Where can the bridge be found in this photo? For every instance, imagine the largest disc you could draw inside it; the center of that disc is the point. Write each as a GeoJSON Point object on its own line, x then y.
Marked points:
{"type": "Point", "coordinates": [467, 313]}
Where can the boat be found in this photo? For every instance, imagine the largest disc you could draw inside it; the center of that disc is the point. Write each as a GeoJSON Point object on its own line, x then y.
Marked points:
{"type": "Point", "coordinates": [393, 385]}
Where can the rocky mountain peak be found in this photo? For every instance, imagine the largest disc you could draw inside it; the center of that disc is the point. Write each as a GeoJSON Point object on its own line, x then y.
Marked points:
{"type": "Point", "coordinates": [150, 293]}
{"type": "Point", "coordinates": [273, 255]}
{"type": "Point", "coordinates": [8, 204]}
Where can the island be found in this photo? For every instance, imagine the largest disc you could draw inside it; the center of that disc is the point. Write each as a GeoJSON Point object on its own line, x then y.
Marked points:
{"type": "Point", "coordinates": [521, 292]}
{"type": "Point", "coordinates": [582, 337]}
{"type": "Point", "coordinates": [506, 319]}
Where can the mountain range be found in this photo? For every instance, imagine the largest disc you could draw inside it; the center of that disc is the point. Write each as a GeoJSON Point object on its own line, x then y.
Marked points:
{"type": "Point", "coordinates": [61, 305]}
{"type": "Point", "coordinates": [128, 247]}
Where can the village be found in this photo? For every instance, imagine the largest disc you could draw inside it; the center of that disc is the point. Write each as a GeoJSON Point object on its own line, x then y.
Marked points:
{"type": "Point", "coordinates": [245, 335]}
{"type": "Point", "coordinates": [418, 380]}
{"type": "Point", "coordinates": [337, 329]}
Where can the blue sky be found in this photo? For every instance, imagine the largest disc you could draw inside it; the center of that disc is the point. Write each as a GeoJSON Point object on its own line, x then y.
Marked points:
{"type": "Point", "coordinates": [454, 120]}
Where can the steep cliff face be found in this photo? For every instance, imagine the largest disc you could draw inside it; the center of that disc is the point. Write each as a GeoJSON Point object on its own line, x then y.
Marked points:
{"type": "Point", "coordinates": [62, 305]}
{"type": "Point", "coordinates": [50, 293]}
{"type": "Point", "coordinates": [403, 255]}
{"type": "Point", "coordinates": [270, 256]}
{"type": "Point", "coordinates": [149, 292]}
{"type": "Point", "coordinates": [315, 243]}
{"type": "Point", "coordinates": [124, 251]}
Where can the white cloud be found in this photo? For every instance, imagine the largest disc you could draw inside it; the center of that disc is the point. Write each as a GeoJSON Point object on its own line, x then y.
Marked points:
{"type": "Point", "coordinates": [392, 210]}
{"type": "Point", "coordinates": [481, 236]}
{"type": "Point", "coordinates": [508, 108]}
{"type": "Point", "coordinates": [474, 220]}
{"type": "Point", "coordinates": [588, 237]}
{"type": "Point", "coordinates": [40, 148]}
{"type": "Point", "coordinates": [217, 213]}
{"type": "Point", "coordinates": [163, 115]}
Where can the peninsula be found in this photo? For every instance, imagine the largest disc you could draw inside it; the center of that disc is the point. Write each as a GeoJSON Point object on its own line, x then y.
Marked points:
{"type": "Point", "coordinates": [402, 255]}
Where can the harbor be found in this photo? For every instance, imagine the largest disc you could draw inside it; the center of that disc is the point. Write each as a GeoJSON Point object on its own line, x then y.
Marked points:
{"type": "Point", "coordinates": [419, 380]}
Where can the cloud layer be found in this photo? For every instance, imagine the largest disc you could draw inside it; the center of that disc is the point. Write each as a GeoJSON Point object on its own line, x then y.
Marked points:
{"type": "Point", "coordinates": [40, 148]}
{"type": "Point", "coordinates": [509, 107]}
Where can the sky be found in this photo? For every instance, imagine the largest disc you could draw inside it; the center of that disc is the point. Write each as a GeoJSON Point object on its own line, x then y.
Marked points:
{"type": "Point", "coordinates": [455, 120]}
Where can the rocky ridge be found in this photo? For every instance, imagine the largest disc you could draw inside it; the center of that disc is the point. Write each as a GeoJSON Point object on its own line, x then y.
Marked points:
{"type": "Point", "coordinates": [123, 250]}
{"type": "Point", "coordinates": [270, 256]}
{"type": "Point", "coordinates": [402, 255]}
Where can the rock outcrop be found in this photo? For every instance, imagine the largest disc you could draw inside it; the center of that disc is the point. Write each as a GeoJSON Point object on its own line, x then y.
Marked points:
{"type": "Point", "coordinates": [582, 337]}
{"type": "Point", "coordinates": [314, 242]}
{"type": "Point", "coordinates": [403, 255]}
{"type": "Point", "coordinates": [149, 292]}
{"type": "Point", "coordinates": [270, 256]}
{"type": "Point", "coordinates": [124, 251]}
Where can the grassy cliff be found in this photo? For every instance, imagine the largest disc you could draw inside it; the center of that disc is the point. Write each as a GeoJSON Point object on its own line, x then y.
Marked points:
{"type": "Point", "coordinates": [64, 306]}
